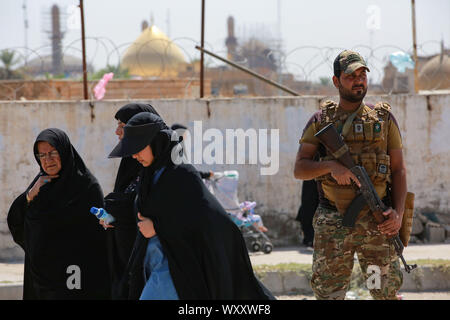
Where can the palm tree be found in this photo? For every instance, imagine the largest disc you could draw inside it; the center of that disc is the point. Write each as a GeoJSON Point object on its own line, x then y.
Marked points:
{"type": "Point", "coordinates": [119, 72]}
{"type": "Point", "coordinates": [7, 58]}
{"type": "Point", "coordinates": [325, 81]}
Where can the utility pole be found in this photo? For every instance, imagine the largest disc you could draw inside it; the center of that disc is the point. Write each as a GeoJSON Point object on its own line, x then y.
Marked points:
{"type": "Point", "coordinates": [279, 42]}
{"type": "Point", "coordinates": [202, 42]}
{"type": "Point", "coordinates": [25, 21]}
{"type": "Point", "coordinates": [83, 48]}
{"type": "Point", "coordinates": [246, 70]}
{"type": "Point", "coordinates": [416, 78]}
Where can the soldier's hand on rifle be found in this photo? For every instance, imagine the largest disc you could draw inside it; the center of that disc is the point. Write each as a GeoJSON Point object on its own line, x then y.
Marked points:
{"type": "Point", "coordinates": [342, 175]}
{"type": "Point", "coordinates": [392, 224]}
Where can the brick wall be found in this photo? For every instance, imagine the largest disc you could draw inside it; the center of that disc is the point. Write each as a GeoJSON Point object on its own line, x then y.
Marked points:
{"type": "Point", "coordinates": [116, 89]}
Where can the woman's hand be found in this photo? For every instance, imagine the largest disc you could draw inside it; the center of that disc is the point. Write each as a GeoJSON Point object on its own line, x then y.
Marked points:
{"type": "Point", "coordinates": [146, 226]}
{"type": "Point", "coordinates": [37, 186]}
{"type": "Point", "coordinates": [105, 225]}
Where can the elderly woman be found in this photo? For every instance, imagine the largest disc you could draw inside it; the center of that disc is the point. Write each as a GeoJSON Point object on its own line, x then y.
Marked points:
{"type": "Point", "coordinates": [65, 248]}
{"type": "Point", "coordinates": [194, 251]}
{"type": "Point", "coordinates": [120, 204]}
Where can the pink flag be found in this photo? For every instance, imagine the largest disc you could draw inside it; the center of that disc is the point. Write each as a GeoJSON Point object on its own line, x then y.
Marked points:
{"type": "Point", "coordinates": [100, 88]}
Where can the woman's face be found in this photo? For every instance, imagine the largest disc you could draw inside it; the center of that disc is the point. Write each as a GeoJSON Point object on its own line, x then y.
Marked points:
{"type": "Point", "coordinates": [119, 129]}
{"type": "Point", "coordinates": [49, 158]}
{"type": "Point", "coordinates": [145, 156]}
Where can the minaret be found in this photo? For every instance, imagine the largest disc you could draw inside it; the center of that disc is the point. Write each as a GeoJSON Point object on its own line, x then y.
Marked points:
{"type": "Point", "coordinates": [231, 41]}
{"type": "Point", "coordinates": [25, 20]}
{"type": "Point", "coordinates": [144, 25]}
{"type": "Point", "coordinates": [152, 20]}
{"type": "Point", "coordinates": [56, 38]}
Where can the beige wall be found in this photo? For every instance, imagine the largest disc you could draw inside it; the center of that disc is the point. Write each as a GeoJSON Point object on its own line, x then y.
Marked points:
{"type": "Point", "coordinates": [424, 122]}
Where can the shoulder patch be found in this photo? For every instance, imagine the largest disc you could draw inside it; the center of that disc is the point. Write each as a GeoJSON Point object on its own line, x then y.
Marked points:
{"type": "Point", "coordinates": [328, 104]}
{"type": "Point", "coordinates": [383, 110]}
{"type": "Point", "coordinates": [329, 108]}
{"type": "Point", "coordinates": [383, 105]}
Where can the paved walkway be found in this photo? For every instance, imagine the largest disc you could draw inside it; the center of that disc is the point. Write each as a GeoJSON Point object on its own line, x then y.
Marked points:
{"type": "Point", "coordinates": [302, 255]}
{"type": "Point", "coordinates": [13, 272]}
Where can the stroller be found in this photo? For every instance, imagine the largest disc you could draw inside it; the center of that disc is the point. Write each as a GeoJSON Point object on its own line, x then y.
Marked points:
{"type": "Point", "coordinates": [224, 186]}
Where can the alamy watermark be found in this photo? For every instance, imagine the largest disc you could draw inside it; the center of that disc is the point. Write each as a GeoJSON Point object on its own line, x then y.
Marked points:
{"type": "Point", "coordinates": [74, 278]}
{"type": "Point", "coordinates": [374, 279]}
{"type": "Point", "coordinates": [232, 146]}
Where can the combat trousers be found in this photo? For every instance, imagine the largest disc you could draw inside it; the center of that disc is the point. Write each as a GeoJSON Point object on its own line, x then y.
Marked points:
{"type": "Point", "coordinates": [334, 250]}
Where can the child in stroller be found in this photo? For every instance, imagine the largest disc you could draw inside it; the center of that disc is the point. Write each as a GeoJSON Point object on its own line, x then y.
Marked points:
{"type": "Point", "coordinates": [248, 216]}
{"type": "Point", "coordinates": [224, 186]}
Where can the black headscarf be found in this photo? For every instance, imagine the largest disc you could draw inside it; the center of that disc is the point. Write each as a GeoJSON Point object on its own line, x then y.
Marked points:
{"type": "Point", "coordinates": [163, 145]}
{"type": "Point", "coordinates": [73, 175]}
{"type": "Point", "coordinates": [56, 229]}
{"type": "Point", "coordinates": [129, 168]}
{"type": "Point", "coordinates": [129, 110]}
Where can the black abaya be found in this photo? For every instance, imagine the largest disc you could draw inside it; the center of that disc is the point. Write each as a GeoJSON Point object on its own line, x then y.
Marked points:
{"type": "Point", "coordinates": [207, 255]}
{"type": "Point", "coordinates": [310, 201]}
{"type": "Point", "coordinates": [120, 204]}
{"type": "Point", "coordinates": [206, 252]}
{"type": "Point", "coordinates": [62, 240]}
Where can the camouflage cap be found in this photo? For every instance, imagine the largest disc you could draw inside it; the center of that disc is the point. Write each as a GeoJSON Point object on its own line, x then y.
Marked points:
{"type": "Point", "coordinates": [348, 61]}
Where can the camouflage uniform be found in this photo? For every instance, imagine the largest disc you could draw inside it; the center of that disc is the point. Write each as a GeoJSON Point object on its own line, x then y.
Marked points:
{"type": "Point", "coordinates": [334, 250]}
{"type": "Point", "coordinates": [369, 134]}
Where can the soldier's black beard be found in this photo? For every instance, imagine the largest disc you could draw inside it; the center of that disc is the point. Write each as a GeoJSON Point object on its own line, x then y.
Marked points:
{"type": "Point", "coordinates": [350, 96]}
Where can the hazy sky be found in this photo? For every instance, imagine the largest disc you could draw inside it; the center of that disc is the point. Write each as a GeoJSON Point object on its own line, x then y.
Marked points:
{"type": "Point", "coordinates": [316, 24]}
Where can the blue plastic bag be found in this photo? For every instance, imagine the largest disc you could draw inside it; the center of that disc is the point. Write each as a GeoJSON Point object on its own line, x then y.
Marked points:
{"type": "Point", "coordinates": [401, 60]}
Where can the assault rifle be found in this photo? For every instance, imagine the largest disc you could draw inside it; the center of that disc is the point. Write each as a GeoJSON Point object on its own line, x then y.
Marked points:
{"type": "Point", "coordinates": [366, 194]}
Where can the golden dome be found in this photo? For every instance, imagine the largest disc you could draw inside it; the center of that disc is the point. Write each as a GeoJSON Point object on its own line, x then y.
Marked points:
{"type": "Point", "coordinates": [153, 54]}
{"type": "Point", "coordinates": [435, 74]}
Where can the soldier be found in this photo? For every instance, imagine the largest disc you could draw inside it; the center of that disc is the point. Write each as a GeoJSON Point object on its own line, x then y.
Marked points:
{"type": "Point", "coordinates": [374, 141]}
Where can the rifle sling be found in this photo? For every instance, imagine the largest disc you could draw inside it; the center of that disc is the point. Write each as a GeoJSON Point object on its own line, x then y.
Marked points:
{"type": "Point", "coordinates": [340, 152]}
{"type": "Point", "coordinates": [348, 122]}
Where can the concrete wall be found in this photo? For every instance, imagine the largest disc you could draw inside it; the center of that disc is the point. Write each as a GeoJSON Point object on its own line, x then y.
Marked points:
{"type": "Point", "coordinates": [424, 122]}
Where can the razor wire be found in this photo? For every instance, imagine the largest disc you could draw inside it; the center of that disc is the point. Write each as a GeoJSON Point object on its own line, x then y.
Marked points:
{"type": "Point", "coordinates": [307, 70]}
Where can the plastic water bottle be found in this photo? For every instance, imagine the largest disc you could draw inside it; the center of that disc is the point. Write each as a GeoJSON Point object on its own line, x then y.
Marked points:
{"type": "Point", "coordinates": [101, 214]}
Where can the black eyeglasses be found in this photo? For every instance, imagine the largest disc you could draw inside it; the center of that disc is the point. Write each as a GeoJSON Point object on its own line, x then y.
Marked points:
{"type": "Point", "coordinates": [52, 154]}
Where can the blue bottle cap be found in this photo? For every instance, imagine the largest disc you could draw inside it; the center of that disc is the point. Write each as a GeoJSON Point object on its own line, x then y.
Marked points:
{"type": "Point", "coordinates": [94, 210]}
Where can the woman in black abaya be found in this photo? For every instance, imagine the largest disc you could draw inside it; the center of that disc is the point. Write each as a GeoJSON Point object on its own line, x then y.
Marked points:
{"type": "Point", "coordinates": [120, 204]}
{"type": "Point", "coordinates": [65, 248]}
{"type": "Point", "coordinates": [204, 250]}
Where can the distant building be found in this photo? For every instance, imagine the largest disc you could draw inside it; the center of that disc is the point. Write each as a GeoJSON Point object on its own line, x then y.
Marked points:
{"type": "Point", "coordinates": [42, 67]}
{"type": "Point", "coordinates": [231, 41]}
{"type": "Point", "coordinates": [153, 55]}
{"type": "Point", "coordinates": [55, 64]}
{"type": "Point", "coordinates": [433, 74]}
{"type": "Point", "coordinates": [254, 54]}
